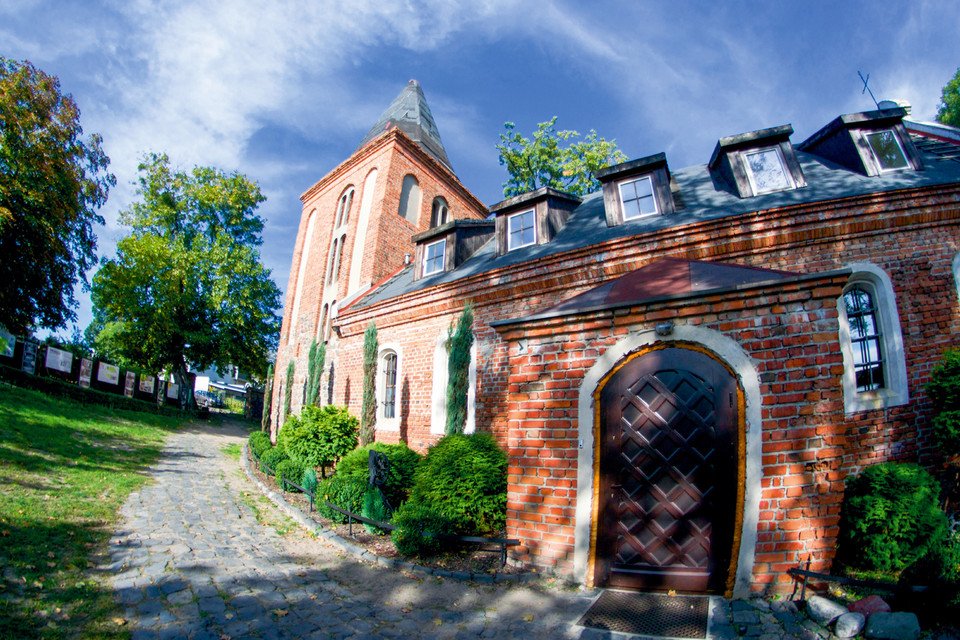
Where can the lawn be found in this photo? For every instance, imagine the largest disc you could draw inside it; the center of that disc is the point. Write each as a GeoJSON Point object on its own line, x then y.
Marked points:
{"type": "Point", "coordinates": [65, 470]}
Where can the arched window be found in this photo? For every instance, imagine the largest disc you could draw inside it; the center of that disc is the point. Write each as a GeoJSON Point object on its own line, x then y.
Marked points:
{"type": "Point", "coordinates": [438, 212]}
{"type": "Point", "coordinates": [343, 207]}
{"type": "Point", "coordinates": [388, 385]}
{"type": "Point", "coordinates": [409, 208]}
{"type": "Point", "coordinates": [333, 313]}
{"type": "Point", "coordinates": [322, 327]}
{"type": "Point", "coordinates": [336, 268]}
{"type": "Point", "coordinates": [301, 274]}
{"type": "Point", "coordinates": [332, 261]}
{"type": "Point", "coordinates": [875, 371]}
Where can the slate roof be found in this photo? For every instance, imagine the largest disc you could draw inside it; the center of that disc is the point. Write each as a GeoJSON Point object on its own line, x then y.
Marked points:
{"type": "Point", "coordinates": [410, 113]}
{"type": "Point", "coordinates": [704, 198]}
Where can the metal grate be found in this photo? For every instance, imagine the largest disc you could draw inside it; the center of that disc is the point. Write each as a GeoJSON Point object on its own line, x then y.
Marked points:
{"type": "Point", "coordinates": [647, 614]}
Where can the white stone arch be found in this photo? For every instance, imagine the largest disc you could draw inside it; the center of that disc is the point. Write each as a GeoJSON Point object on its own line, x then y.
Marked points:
{"type": "Point", "coordinates": [438, 395]}
{"type": "Point", "coordinates": [727, 351]}
{"type": "Point", "coordinates": [363, 221]}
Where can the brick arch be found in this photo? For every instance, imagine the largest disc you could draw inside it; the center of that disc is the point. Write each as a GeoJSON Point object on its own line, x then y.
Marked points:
{"type": "Point", "coordinates": [727, 352]}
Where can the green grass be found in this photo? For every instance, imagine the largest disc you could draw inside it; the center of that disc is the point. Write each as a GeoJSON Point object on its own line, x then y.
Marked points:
{"type": "Point", "coordinates": [232, 450]}
{"type": "Point", "coordinates": [65, 470]}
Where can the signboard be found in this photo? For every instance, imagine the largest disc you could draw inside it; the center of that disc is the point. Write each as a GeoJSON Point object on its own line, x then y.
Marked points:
{"type": "Point", "coordinates": [173, 391]}
{"type": "Point", "coordinates": [86, 370]}
{"type": "Point", "coordinates": [129, 384]}
{"type": "Point", "coordinates": [11, 342]}
{"type": "Point", "coordinates": [59, 359]}
{"type": "Point", "coordinates": [30, 357]}
{"type": "Point", "coordinates": [146, 384]}
{"type": "Point", "coordinates": [109, 373]}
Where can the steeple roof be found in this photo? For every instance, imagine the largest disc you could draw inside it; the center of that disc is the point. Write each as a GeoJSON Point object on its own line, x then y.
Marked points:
{"type": "Point", "coordinates": [409, 112]}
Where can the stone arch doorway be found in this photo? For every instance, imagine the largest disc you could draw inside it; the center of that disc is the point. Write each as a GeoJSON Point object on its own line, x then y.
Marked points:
{"type": "Point", "coordinates": [668, 472]}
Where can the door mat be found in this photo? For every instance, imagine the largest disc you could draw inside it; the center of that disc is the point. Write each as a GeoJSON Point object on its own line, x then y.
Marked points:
{"type": "Point", "coordinates": [648, 614]}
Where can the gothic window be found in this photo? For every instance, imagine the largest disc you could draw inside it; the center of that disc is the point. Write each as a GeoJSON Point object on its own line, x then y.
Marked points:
{"type": "Point", "coordinates": [409, 208]}
{"type": "Point", "coordinates": [441, 373]}
{"type": "Point", "coordinates": [301, 274]}
{"type": "Point", "coordinates": [866, 337]}
{"type": "Point", "coordinates": [332, 261]}
{"type": "Point", "coordinates": [343, 207]}
{"type": "Point", "coordinates": [438, 213]}
{"type": "Point", "coordinates": [339, 259]}
{"type": "Point", "coordinates": [322, 327]}
{"type": "Point", "coordinates": [388, 384]}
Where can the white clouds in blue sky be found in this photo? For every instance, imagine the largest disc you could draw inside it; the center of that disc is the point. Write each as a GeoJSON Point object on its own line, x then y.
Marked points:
{"type": "Point", "coordinates": [285, 90]}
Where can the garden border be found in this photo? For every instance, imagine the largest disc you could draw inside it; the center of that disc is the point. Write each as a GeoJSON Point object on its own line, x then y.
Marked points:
{"type": "Point", "coordinates": [361, 553]}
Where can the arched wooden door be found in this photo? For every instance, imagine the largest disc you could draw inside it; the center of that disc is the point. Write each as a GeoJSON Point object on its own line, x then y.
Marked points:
{"type": "Point", "coordinates": [668, 473]}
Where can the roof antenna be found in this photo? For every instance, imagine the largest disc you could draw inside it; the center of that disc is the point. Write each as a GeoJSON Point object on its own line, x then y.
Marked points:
{"type": "Point", "coordinates": [866, 88]}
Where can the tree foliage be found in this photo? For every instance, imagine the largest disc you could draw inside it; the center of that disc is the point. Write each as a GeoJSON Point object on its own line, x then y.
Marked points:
{"type": "Point", "coordinates": [52, 182]}
{"type": "Point", "coordinates": [458, 379]}
{"type": "Point", "coordinates": [949, 111]}
{"type": "Point", "coordinates": [187, 286]}
{"type": "Point", "coordinates": [368, 410]}
{"type": "Point", "coordinates": [542, 162]}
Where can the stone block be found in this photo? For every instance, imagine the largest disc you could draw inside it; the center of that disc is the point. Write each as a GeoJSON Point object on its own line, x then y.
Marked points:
{"type": "Point", "coordinates": [823, 611]}
{"type": "Point", "coordinates": [849, 624]}
{"type": "Point", "coordinates": [893, 626]}
{"type": "Point", "coordinates": [869, 605]}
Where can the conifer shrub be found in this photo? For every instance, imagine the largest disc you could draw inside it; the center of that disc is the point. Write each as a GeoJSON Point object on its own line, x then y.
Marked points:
{"type": "Point", "coordinates": [286, 430]}
{"type": "Point", "coordinates": [368, 410]}
{"type": "Point", "coordinates": [463, 478]}
{"type": "Point", "coordinates": [418, 530]}
{"type": "Point", "coordinates": [309, 480]}
{"type": "Point", "coordinates": [270, 459]}
{"type": "Point", "coordinates": [290, 470]}
{"type": "Point", "coordinates": [944, 392]}
{"type": "Point", "coordinates": [890, 517]}
{"type": "Point", "coordinates": [403, 467]}
{"type": "Point", "coordinates": [938, 568]}
{"type": "Point", "coordinates": [458, 371]}
{"type": "Point", "coordinates": [344, 491]}
{"type": "Point", "coordinates": [374, 508]}
{"type": "Point", "coordinates": [321, 436]}
{"type": "Point", "coordinates": [258, 443]}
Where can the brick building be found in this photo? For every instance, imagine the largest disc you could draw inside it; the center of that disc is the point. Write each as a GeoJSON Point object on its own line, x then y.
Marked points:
{"type": "Point", "coordinates": [683, 366]}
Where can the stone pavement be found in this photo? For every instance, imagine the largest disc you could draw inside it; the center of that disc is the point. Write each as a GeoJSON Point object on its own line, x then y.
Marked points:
{"type": "Point", "coordinates": [192, 560]}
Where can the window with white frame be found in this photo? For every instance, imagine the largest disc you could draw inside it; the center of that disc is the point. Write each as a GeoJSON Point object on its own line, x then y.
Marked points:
{"type": "Point", "coordinates": [433, 257]}
{"type": "Point", "coordinates": [875, 373]}
{"type": "Point", "coordinates": [887, 150]}
{"type": "Point", "coordinates": [438, 213]}
{"type": "Point", "coordinates": [521, 230]}
{"type": "Point", "coordinates": [767, 170]}
{"type": "Point", "coordinates": [388, 377]}
{"type": "Point", "coordinates": [637, 198]}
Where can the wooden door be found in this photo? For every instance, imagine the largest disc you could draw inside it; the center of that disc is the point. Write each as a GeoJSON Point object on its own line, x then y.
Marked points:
{"type": "Point", "coordinates": [668, 473]}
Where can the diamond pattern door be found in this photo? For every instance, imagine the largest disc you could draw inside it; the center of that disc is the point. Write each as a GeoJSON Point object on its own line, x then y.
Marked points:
{"type": "Point", "coordinates": [668, 473]}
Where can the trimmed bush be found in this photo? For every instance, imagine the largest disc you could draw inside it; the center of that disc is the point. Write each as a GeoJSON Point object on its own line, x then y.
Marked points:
{"type": "Point", "coordinates": [291, 424]}
{"type": "Point", "coordinates": [890, 517]}
{"type": "Point", "coordinates": [309, 480]}
{"type": "Point", "coordinates": [321, 436]}
{"type": "Point", "coordinates": [289, 469]}
{"type": "Point", "coordinates": [344, 491]}
{"type": "Point", "coordinates": [270, 459]}
{"type": "Point", "coordinates": [403, 467]}
{"type": "Point", "coordinates": [464, 479]}
{"type": "Point", "coordinates": [418, 530]}
{"type": "Point", "coordinates": [259, 442]}
{"type": "Point", "coordinates": [375, 509]}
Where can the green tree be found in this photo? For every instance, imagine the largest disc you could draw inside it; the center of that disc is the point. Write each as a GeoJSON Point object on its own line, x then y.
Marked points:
{"type": "Point", "coordinates": [542, 162]}
{"type": "Point", "coordinates": [315, 361]}
{"type": "Point", "coordinates": [52, 182]}
{"type": "Point", "coordinates": [187, 286]}
{"type": "Point", "coordinates": [949, 111]}
{"type": "Point", "coordinates": [458, 379]}
{"type": "Point", "coordinates": [368, 411]}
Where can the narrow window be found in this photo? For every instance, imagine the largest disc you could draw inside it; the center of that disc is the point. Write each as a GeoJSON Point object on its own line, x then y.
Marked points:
{"type": "Point", "coordinates": [322, 327]}
{"type": "Point", "coordinates": [333, 312]}
{"type": "Point", "coordinates": [409, 199]}
{"type": "Point", "coordinates": [433, 257]}
{"type": "Point", "coordinates": [521, 230]}
{"type": "Point", "coordinates": [438, 213]}
{"type": "Point", "coordinates": [767, 171]}
{"type": "Point", "coordinates": [336, 269]}
{"type": "Point", "coordinates": [866, 338]}
{"type": "Point", "coordinates": [390, 385]}
{"type": "Point", "coordinates": [332, 261]}
{"type": "Point", "coordinates": [887, 150]}
{"type": "Point", "coordinates": [637, 198]}
{"type": "Point", "coordinates": [343, 207]}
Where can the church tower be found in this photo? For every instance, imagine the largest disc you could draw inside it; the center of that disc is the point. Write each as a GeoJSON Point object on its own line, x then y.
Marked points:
{"type": "Point", "coordinates": [356, 228]}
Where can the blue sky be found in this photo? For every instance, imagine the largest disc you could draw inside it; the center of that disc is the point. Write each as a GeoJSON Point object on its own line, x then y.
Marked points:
{"type": "Point", "coordinates": [284, 91]}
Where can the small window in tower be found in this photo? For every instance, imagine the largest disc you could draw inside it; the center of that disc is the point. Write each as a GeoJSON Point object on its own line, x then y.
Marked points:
{"type": "Point", "coordinates": [343, 207]}
{"type": "Point", "coordinates": [409, 208]}
{"type": "Point", "coordinates": [637, 198]}
{"type": "Point", "coordinates": [433, 257]}
{"type": "Point", "coordinates": [438, 214]}
{"type": "Point", "coordinates": [521, 230]}
{"type": "Point", "coordinates": [767, 171]}
{"type": "Point", "coordinates": [887, 150]}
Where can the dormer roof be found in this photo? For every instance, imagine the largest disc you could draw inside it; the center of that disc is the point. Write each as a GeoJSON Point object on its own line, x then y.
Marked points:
{"type": "Point", "coordinates": [410, 113]}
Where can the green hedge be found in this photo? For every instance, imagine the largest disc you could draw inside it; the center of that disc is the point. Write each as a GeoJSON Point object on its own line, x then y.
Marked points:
{"type": "Point", "coordinates": [270, 459]}
{"type": "Point", "coordinates": [344, 491]}
{"type": "Point", "coordinates": [418, 530]}
{"type": "Point", "coordinates": [259, 442]}
{"type": "Point", "coordinates": [403, 467]}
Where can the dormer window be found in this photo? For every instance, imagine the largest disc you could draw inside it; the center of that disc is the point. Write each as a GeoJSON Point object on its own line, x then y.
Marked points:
{"type": "Point", "coordinates": [434, 255]}
{"type": "Point", "coordinates": [637, 199]}
{"type": "Point", "coordinates": [887, 150]}
{"type": "Point", "coordinates": [767, 171]}
{"type": "Point", "coordinates": [521, 230]}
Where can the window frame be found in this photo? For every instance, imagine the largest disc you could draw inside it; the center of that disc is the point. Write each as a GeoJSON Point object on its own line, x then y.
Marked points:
{"type": "Point", "coordinates": [788, 176]}
{"type": "Point", "coordinates": [427, 260]}
{"type": "Point", "coordinates": [907, 165]}
{"type": "Point", "coordinates": [439, 209]}
{"type": "Point", "coordinates": [653, 197]}
{"type": "Point", "coordinates": [385, 351]}
{"type": "Point", "coordinates": [895, 391]}
{"type": "Point", "coordinates": [533, 216]}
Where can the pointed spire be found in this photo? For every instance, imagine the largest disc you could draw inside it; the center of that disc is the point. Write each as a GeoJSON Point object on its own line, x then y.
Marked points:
{"type": "Point", "coordinates": [410, 113]}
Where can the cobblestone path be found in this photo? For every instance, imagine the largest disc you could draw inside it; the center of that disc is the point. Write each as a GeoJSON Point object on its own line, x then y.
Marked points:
{"type": "Point", "coordinates": [198, 555]}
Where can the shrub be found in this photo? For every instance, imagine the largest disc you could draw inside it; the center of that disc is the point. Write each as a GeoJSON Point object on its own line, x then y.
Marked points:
{"type": "Point", "coordinates": [321, 436]}
{"type": "Point", "coordinates": [375, 509]}
{"type": "Point", "coordinates": [259, 442]}
{"type": "Point", "coordinates": [270, 459]}
{"type": "Point", "coordinates": [890, 517]}
{"type": "Point", "coordinates": [458, 370]}
{"type": "Point", "coordinates": [291, 424]}
{"type": "Point", "coordinates": [939, 568]}
{"type": "Point", "coordinates": [403, 466]}
{"type": "Point", "coordinates": [309, 480]}
{"type": "Point", "coordinates": [464, 479]}
{"type": "Point", "coordinates": [368, 410]}
{"type": "Point", "coordinates": [344, 491]}
{"type": "Point", "coordinates": [418, 530]}
{"type": "Point", "coordinates": [290, 470]}
{"type": "Point", "coordinates": [944, 392]}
